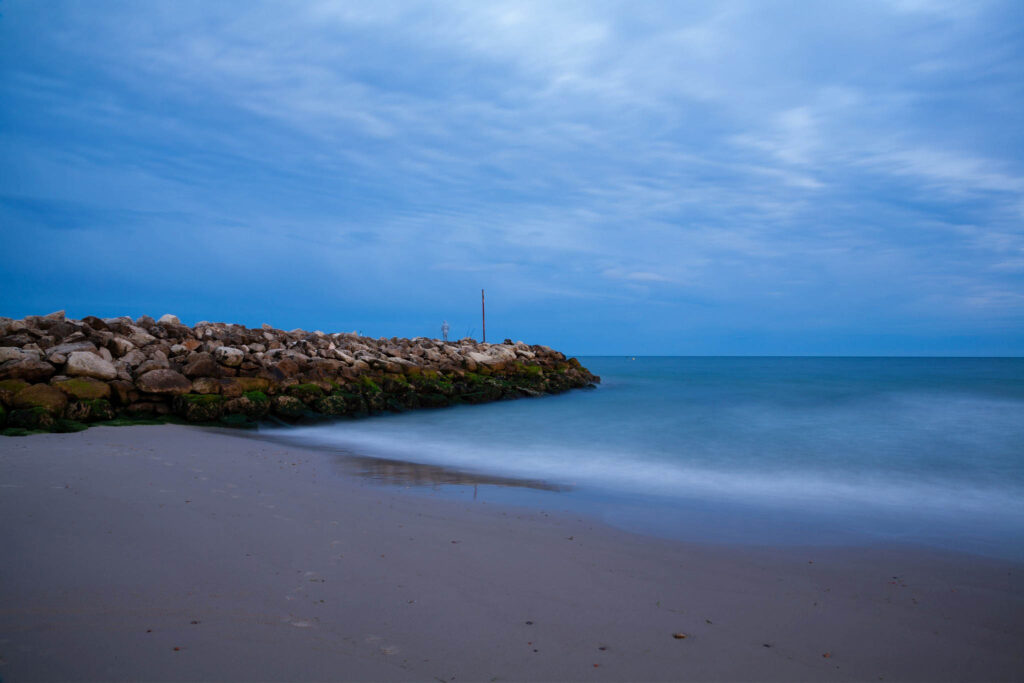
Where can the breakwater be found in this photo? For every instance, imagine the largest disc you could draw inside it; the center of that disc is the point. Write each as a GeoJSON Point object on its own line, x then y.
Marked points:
{"type": "Point", "coordinates": [59, 374]}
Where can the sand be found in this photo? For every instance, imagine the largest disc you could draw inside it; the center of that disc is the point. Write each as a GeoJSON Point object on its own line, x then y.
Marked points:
{"type": "Point", "coordinates": [177, 553]}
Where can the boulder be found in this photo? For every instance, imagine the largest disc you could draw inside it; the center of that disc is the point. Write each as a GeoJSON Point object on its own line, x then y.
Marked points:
{"type": "Point", "coordinates": [157, 363]}
{"type": "Point", "coordinates": [288, 367]}
{"type": "Point", "coordinates": [253, 404]}
{"type": "Point", "coordinates": [164, 382]}
{"type": "Point", "coordinates": [205, 385]}
{"type": "Point", "coordinates": [27, 369]}
{"type": "Point", "coordinates": [9, 387]}
{"type": "Point", "coordinates": [134, 358]}
{"type": "Point", "coordinates": [229, 356]}
{"type": "Point", "coordinates": [119, 346]}
{"type": "Point", "coordinates": [139, 336]}
{"type": "Point", "coordinates": [123, 392]}
{"type": "Point", "coordinates": [50, 399]}
{"type": "Point", "coordinates": [95, 323]}
{"type": "Point", "coordinates": [13, 353]}
{"type": "Point", "coordinates": [85, 364]}
{"type": "Point", "coordinates": [168, 319]}
{"type": "Point", "coordinates": [90, 410]}
{"type": "Point", "coordinates": [83, 388]}
{"type": "Point", "coordinates": [67, 348]}
{"type": "Point", "coordinates": [31, 418]}
{"type": "Point", "coordinates": [288, 407]}
{"type": "Point", "coordinates": [202, 366]}
{"type": "Point", "coordinates": [199, 407]}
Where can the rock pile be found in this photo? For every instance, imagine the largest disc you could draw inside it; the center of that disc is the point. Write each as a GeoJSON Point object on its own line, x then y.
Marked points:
{"type": "Point", "coordinates": [57, 374]}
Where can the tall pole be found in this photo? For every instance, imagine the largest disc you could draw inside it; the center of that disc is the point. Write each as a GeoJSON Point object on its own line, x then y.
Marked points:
{"type": "Point", "coordinates": [483, 315]}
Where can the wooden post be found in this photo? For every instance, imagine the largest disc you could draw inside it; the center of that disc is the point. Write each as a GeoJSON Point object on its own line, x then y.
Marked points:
{"type": "Point", "coordinates": [483, 316]}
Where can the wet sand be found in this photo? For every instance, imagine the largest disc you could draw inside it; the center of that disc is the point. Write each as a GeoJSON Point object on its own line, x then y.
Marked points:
{"type": "Point", "coordinates": [176, 553]}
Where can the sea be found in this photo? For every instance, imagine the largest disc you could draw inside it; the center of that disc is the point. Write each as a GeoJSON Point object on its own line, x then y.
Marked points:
{"type": "Point", "coordinates": [738, 450]}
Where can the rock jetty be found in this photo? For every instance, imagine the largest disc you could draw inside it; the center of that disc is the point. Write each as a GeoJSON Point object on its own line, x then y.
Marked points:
{"type": "Point", "coordinates": [59, 374]}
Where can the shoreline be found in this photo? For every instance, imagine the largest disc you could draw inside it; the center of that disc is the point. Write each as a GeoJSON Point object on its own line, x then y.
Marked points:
{"type": "Point", "coordinates": [116, 531]}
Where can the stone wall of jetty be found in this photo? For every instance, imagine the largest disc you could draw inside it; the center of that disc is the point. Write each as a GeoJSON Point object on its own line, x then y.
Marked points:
{"type": "Point", "coordinates": [58, 374]}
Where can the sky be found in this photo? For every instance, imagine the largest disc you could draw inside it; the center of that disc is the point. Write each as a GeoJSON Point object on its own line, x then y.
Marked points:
{"type": "Point", "coordinates": [692, 178]}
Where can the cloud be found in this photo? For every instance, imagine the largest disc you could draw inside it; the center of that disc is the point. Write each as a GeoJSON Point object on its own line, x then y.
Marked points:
{"type": "Point", "coordinates": [761, 159]}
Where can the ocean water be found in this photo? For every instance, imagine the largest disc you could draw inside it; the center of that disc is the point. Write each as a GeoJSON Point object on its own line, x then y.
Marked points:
{"type": "Point", "coordinates": [740, 450]}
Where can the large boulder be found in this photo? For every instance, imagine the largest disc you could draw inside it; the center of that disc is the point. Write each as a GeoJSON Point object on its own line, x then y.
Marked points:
{"type": "Point", "coordinates": [28, 369]}
{"type": "Point", "coordinates": [164, 382]}
{"type": "Point", "coordinates": [50, 399]}
{"type": "Point", "coordinates": [202, 365]}
{"type": "Point", "coordinates": [83, 387]}
{"type": "Point", "coordinates": [168, 319]}
{"type": "Point", "coordinates": [85, 364]}
{"type": "Point", "coordinates": [8, 353]}
{"type": "Point", "coordinates": [9, 387]}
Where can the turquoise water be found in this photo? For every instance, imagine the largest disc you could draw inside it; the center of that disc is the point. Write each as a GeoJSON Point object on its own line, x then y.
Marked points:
{"type": "Point", "coordinates": [753, 450]}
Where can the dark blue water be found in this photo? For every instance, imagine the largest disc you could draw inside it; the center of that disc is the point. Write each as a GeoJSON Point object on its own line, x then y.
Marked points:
{"type": "Point", "coordinates": [792, 450]}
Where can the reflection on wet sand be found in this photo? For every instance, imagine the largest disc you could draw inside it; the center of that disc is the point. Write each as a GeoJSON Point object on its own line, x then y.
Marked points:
{"type": "Point", "coordinates": [402, 473]}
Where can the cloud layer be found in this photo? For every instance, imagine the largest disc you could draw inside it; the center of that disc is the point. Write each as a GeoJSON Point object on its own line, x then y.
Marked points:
{"type": "Point", "coordinates": [734, 177]}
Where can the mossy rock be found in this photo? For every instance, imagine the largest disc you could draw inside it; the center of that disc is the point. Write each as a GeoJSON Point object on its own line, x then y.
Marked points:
{"type": "Point", "coordinates": [307, 393]}
{"type": "Point", "coordinates": [529, 370]}
{"type": "Point", "coordinates": [367, 385]}
{"type": "Point", "coordinates": [3, 415]}
{"type": "Point", "coordinates": [37, 418]}
{"type": "Point", "coordinates": [256, 397]}
{"type": "Point", "coordinates": [334, 404]}
{"type": "Point", "coordinates": [83, 387]}
{"type": "Point", "coordinates": [376, 402]}
{"type": "Point", "coordinates": [9, 387]}
{"type": "Point", "coordinates": [288, 407]}
{"type": "Point", "coordinates": [44, 396]}
{"type": "Point", "coordinates": [89, 410]}
{"type": "Point", "coordinates": [255, 408]}
{"type": "Point", "coordinates": [199, 407]}
{"type": "Point", "coordinates": [252, 384]}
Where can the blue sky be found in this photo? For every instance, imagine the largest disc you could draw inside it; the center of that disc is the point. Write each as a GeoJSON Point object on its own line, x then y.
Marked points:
{"type": "Point", "coordinates": [659, 178]}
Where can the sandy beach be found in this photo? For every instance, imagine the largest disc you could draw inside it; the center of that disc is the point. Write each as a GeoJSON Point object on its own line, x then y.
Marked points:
{"type": "Point", "coordinates": [177, 553]}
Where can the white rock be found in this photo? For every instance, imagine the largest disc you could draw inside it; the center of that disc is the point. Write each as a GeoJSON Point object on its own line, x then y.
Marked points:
{"type": "Point", "coordinates": [85, 364]}
{"type": "Point", "coordinates": [228, 356]}
{"type": "Point", "coordinates": [139, 336]}
{"type": "Point", "coordinates": [10, 353]}
{"type": "Point", "coordinates": [120, 346]}
{"type": "Point", "coordinates": [168, 319]}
